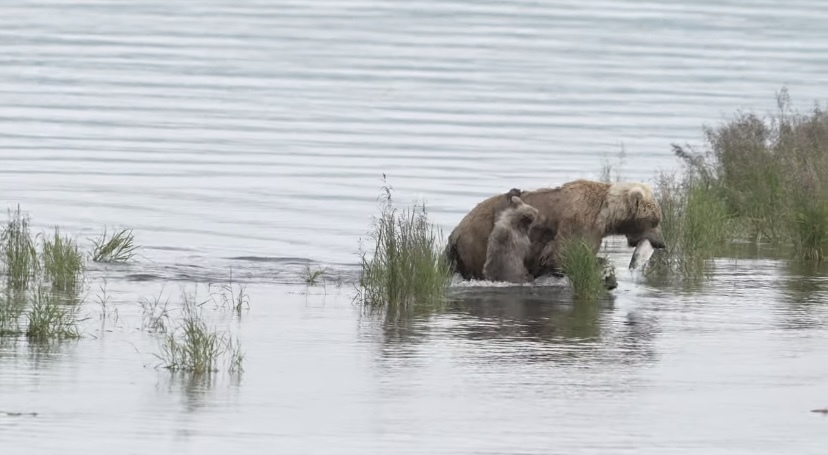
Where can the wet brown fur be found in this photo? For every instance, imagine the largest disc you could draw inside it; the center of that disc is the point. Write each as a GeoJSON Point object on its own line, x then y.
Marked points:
{"type": "Point", "coordinates": [509, 244]}
{"type": "Point", "coordinates": [589, 209]}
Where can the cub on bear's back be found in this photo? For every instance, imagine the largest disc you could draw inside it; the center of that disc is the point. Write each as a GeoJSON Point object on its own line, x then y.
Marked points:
{"type": "Point", "coordinates": [509, 243]}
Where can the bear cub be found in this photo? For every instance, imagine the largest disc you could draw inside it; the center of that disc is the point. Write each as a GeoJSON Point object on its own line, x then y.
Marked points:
{"type": "Point", "coordinates": [509, 243]}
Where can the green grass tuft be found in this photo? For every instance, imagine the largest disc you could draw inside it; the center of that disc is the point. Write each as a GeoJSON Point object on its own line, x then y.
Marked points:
{"type": "Point", "coordinates": [63, 262]}
{"type": "Point", "coordinates": [12, 306]}
{"type": "Point", "coordinates": [810, 230]}
{"type": "Point", "coordinates": [407, 270]}
{"type": "Point", "coordinates": [230, 296]}
{"type": "Point", "coordinates": [19, 253]}
{"type": "Point", "coordinates": [312, 276]}
{"type": "Point", "coordinates": [696, 225]}
{"type": "Point", "coordinates": [49, 318]}
{"type": "Point", "coordinates": [583, 269]}
{"type": "Point", "coordinates": [118, 248]}
{"type": "Point", "coordinates": [194, 347]}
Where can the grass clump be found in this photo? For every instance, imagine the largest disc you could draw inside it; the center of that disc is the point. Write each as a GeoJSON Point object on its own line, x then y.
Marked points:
{"type": "Point", "coordinates": [695, 223]}
{"type": "Point", "coordinates": [232, 297]}
{"type": "Point", "coordinates": [155, 315]}
{"type": "Point", "coordinates": [50, 318]}
{"type": "Point", "coordinates": [759, 179]}
{"type": "Point", "coordinates": [196, 348]}
{"type": "Point", "coordinates": [583, 269]}
{"type": "Point", "coordinates": [19, 253]}
{"type": "Point", "coordinates": [118, 248]}
{"type": "Point", "coordinates": [63, 263]}
{"type": "Point", "coordinates": [406, 269]}
{"type": "Point", "coordinates": [313, 275]}
{"type": "Point", "coordinates": [12, 306]}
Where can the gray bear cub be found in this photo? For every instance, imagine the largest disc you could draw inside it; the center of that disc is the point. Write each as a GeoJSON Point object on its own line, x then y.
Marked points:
{"type": "Point", "coordinates": [509, 243]}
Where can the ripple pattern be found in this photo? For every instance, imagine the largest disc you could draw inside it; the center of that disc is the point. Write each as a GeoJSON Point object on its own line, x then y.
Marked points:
{"type": "Point", "coordinates": [253, 128]}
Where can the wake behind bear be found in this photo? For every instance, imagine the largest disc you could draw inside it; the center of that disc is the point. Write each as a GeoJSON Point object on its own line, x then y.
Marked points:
{"type": "Point", "coordinates": [588, 209]}
{"type": "Point", "coordinates": [509, 245]}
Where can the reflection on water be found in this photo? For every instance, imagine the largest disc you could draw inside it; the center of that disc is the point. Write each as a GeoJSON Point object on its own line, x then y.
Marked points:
{"type": "Point", "coordinates": [529, 314]}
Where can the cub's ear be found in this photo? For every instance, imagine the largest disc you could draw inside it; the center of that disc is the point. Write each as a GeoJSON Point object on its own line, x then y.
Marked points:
{"type": "Point", "coordinates": [513, 192]}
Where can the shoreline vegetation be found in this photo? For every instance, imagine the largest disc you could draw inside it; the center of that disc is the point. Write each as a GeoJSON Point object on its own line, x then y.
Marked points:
{"type": "Point", "coordinates": [44, 288]}
{"type": "Point", "coordinates": [757, 179]}
{"type": "Point", "coordinates": [760, 180]}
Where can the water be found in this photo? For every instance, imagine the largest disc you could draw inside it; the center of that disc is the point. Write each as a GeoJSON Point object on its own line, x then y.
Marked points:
{"type": "Point", "coordinates": [252, 136]}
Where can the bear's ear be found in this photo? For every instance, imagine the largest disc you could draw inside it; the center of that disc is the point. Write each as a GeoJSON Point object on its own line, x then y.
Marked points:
{"type": "Point", "coordinates": [636, 196]}
{"type": "Point", "coordinates": [516, 201]}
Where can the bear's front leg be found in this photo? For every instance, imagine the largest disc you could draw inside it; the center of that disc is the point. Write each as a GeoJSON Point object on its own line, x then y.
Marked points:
{"type": "Point", "coordinates": [547, 262]}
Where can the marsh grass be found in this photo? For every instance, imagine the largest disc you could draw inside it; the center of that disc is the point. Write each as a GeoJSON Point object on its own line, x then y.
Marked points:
{"type": "Point", "coordinates": [406, 271]}
{"type": "Point", "coordinates": [696, 226]}
{"type": "Point", "coordinates": [772, 175]}
{"type": "Point", "coordinates": [583, 269]}
{"type": "Point", "coordinates": [63, 263]}
{"type": "Point", "coordinates": [196, 348]}
{"type": "Point", "coordinates": [230, 296]}
{"type": "Point", "coordinates": [50, 318]}
{"type": "Point", "coordinates": [810, 230]}
{"type": "Point", "coordinates": [19, 252]}
{"type": "Point", "coordinates": [155, 314]}
{"type": "Point", "coordinates": [312, 275]}
{"type": "Point", "coordinates": [118, 248]}
{"type": "Point", "coordinates": [759, 179]}
{"type": "Point", "coordinates": [12, 305]}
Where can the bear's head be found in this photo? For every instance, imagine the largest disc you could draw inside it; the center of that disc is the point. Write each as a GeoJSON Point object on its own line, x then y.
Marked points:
{"type": "Point", "coordinates": [635, 213]}
{"type": "Point", "coordinates": [521, 214]}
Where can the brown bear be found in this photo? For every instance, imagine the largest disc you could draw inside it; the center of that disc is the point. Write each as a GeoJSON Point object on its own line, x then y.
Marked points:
{"type": "Point", "coordinates": [590, 209]}
{"type": "Point", "coordinates": [509, 244]}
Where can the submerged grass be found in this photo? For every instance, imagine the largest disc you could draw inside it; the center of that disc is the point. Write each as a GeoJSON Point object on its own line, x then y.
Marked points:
{"type": "Point", "coordinates": [12, 305]}
{"type": "Point", "coordinates": [196, 348]}
{"type": "Point", "coordinates": [50, 318]}
{"type": "Point", "coordinates": [406, 270]}
{"type": "Point", "coordinates": [19, 253]}
{"type": "Point", "coordinates": [118, 248]}
{"type": "Point", "coordinates": [312, 276]}
{"type": "Point", "coordinates": [63, 263]}
{"type": "Point", "coordinates": [583, 269]}
{"type": "Point", "coordinates": [695, 224]}
{"type": "Point", "coordinates": [230, 296]}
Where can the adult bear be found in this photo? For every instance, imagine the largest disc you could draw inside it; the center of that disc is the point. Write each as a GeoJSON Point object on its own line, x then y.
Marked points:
{"type": "Point", "coordinates": [590, 209]}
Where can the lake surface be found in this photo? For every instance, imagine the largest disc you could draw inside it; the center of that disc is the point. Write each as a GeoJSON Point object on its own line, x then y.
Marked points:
{"type": "Point", "coordinates": [252, 136]}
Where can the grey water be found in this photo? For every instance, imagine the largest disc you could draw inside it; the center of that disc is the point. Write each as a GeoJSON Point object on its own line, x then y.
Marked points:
{"type": "Point", "coordinates": [252, 136]}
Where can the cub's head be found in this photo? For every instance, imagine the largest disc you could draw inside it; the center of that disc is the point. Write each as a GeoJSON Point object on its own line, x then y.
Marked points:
{"type": "Point", "coordinates": [521, 215]}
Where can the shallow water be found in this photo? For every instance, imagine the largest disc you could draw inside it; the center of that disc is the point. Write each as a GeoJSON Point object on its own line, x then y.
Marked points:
{"type": "Point", "coordinates": [252, 136]}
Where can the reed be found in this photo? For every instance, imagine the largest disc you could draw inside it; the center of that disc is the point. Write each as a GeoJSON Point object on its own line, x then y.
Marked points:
{"type": "Point", "coordinates": [12, 305]}
{"type": "Point", "coordinates": [771, 175]}
{"type": "Point", "coordinates": [406, 269]}
{"type": "Point", "coordinates": [120, 247]}
{"type": "Point", "coordinates": [196, 348]}
{"type": "Point", "coordinates": [19, 253]}
{"type": "Point", "coordinates": [583, 268]}
{"type": "Point", "coordinates": [51, 318]}
{"type": "Point", "coordinates": [311, 275]}
{"type": "Point", "coordinates": [63, 263]}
